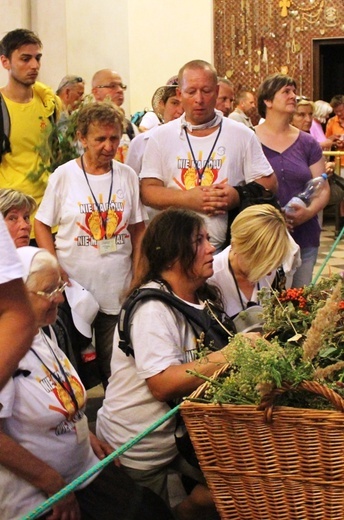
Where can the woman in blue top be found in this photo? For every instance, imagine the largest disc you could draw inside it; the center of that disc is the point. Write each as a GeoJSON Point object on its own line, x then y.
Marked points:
{"type": "Point", "coordinates": [295, 157]}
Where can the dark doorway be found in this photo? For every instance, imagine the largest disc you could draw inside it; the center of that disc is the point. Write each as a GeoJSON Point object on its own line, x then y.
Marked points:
{"type": "Point", "coordinates": [328, 68]}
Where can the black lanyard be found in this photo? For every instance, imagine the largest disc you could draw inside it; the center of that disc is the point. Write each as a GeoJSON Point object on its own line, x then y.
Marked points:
{"type": "Point", "coordinates": [237, 287]}
{"type": "Point", "coordinates": [199, 173]}
{"type": "Point", "coordinates": [97, 204]}
{"type": "Point", "coordinates": [64, 383]}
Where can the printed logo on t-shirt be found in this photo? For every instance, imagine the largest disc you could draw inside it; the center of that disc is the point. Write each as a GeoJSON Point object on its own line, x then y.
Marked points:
{"type": "Point", "coordinates": [70, 398]}
{"type": "Point", "coordinates": [102, 223]}
{"type": "Point", "coordinates": [201, 173]}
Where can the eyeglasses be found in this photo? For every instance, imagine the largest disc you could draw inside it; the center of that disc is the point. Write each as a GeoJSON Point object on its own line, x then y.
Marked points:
{"type": "Point", "coordinates": [50, 296]}
{"type": "Point", "coordinates": [113, 86]}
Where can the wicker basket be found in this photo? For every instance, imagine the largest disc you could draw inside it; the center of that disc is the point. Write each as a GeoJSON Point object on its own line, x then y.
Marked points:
{"type": "Point", "coordinates": [291, 468]}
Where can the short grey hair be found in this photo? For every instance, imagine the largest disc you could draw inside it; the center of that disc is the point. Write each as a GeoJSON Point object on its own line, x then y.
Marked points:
{"type": "Point", "coordinates": [13, 199]}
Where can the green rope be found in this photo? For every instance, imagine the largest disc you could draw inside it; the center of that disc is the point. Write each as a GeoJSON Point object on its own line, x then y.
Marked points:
{"type": "Point", "coordinates": [329, 254]}
{"type": "Point", "coordinates": [100, 465]}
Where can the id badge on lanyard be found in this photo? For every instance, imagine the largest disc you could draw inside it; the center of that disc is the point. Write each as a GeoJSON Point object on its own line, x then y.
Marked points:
{"type": "Point", "coordinates": [107, 246]}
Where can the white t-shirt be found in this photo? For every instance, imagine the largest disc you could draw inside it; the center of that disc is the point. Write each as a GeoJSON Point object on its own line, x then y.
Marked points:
{"type": "Point", "coordinates": [37, 413]}
{"type": "Point", "coordinates": [223, 278]}
{"type": "Point", "coordinates": [10, 266]}
{"type": "Point", "coordinates": [237, 159]}
{"type": "Point", "coordinates": [161, 337]}
{"type": "Point", "coordinates": [150, 120]}
{"type": "Point", "coordinates": [68, 202]}
{"type": "Point", "coordinates": [136, 151]}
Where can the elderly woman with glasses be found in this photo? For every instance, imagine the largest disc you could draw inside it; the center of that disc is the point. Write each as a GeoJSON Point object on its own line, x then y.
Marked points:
{"type": "Point", "coordinates": [296, 158]}
{"type": "Point", "coordinates": [44, 435]}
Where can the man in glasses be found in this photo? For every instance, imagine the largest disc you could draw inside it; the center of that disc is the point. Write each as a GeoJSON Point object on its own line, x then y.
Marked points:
{"type": "Point", "coordinates": [108, 85]}
{"type": "Point", "coordinates": [27, 110]}
{"type": "Point", "coordinates": [71, 92]}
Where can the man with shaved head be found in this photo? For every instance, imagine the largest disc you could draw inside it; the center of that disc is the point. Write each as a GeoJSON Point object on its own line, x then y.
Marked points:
{"type": "Point", "coordinates": [107, 83]}
{"type": "Point", "coordinates": [196, 160]}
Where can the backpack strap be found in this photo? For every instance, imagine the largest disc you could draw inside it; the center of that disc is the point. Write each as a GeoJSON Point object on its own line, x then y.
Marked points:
{"type": "Point", "coordinates": [5, 128]}
{"type": "Point", "coordinates": [60, 332]}
{"type": "Point", "coordinates": [129, 130]}
{"type": "Point", "coordinates": [200, 320]}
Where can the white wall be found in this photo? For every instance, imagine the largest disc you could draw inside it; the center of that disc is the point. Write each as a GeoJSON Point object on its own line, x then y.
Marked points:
{"type": "Point", "coordinates": [146, 41]}
{"type": "Point", "coordinates": [14, 14]}
{"type": "Point", "coordinates": [163, 35]}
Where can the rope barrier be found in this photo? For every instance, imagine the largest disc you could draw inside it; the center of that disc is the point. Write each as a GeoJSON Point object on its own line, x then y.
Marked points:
{"type": "Point", "coordinates": [47, 504]}
{"type": "Point", "coordinates": [328, 256]}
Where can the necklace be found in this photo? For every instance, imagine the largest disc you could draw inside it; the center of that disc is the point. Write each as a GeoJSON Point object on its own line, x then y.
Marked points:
{"type": "Point", "coordinates": [199, 172]}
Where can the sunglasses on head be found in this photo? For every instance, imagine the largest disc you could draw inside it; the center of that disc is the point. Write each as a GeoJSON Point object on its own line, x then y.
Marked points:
{"type": "Point", "coordinates": [71, 82]}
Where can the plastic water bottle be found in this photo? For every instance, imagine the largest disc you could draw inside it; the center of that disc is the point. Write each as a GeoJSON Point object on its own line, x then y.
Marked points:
{"type": "Point", "coordinates": [303, 199]}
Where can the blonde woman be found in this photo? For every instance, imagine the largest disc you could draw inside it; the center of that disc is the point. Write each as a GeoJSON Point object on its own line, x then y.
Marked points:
{"type": "Point", "coordinates": [321, 113]}
{"type": "Point", "coordinates": [303, 115]}
{"type": "Point", "coordinates": [260, 243]}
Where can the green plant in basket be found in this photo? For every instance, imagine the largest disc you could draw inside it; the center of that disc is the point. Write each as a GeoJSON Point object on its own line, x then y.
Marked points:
{"type": "Point", "coordinates": [303, 341]}
{"type": "Point", "coordinates": [315, 312]}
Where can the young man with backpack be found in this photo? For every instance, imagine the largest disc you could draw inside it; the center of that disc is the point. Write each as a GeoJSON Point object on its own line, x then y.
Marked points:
{"type": "Point", "coordinates": [27, 107]}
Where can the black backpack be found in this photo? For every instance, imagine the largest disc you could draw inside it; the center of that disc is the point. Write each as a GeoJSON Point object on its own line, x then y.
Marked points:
{"type": "Point", "coordinates": [213, 322]}
{"type": "Point", "coordinates": [5, 127]}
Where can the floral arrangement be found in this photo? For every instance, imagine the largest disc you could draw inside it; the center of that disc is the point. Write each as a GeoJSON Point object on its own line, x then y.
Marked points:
{"type": "Point", "coordinates": [303, 340]}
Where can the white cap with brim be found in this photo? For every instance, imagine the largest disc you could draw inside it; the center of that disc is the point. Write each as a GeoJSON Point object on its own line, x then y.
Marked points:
{"type": "Point", "coordinates": [84, 307]}
{"type": "Point", "coordinates": [26, 255]}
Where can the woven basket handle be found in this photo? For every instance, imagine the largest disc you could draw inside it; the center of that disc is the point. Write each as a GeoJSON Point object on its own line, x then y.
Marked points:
{"type": "Point", "coordinates": [267, 403]}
